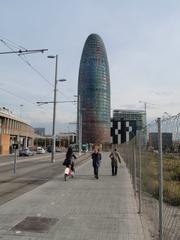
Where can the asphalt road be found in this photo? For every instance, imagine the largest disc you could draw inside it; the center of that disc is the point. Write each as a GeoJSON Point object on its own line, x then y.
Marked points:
{"type": "Point", "coordinates": [30, 173]}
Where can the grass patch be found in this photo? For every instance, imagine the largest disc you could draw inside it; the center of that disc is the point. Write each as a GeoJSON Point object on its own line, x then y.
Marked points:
{"type": "Point", "coordinates": [171, 172]}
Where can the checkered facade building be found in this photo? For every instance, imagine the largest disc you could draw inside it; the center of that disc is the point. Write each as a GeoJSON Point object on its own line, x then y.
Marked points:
{"type": "Point", "coordinates": [125, 124]}
{"type": "Point", "coordinates": [122, 131]}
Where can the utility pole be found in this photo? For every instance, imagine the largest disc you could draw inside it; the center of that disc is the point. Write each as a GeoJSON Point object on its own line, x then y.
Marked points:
{"type": "Point", "coordinates": [145, 110]}
{"type": "Point", "coordinates": [54, 109]}
{"type": "Point", "coordinates": [54, 114]}
{"type": "Point", "coordinates": [79, 123]}
{"type": "Point", "coordinates": [21, 106]}
{"type": "Point", "coordinates": [54, 118]}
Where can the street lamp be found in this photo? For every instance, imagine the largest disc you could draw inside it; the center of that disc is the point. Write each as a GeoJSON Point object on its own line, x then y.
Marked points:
{"type": "Point", "coordinates": [54, 109]}
{"type": "Point", "coordinates": [79, 126]}
{"type": "Point", "coordinates": [145, 127]}
{"type": "Point", "coordinates": [21, 106]}
{"type": "Point", "coordinates": [145, 109]}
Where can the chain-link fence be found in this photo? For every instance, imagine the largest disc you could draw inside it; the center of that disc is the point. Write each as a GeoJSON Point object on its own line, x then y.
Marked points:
{"type": "Point", "coordinates": [153, 160]}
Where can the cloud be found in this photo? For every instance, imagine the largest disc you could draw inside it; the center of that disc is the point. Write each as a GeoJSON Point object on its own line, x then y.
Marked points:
{"type": "Point", "coordinates": [141, 39]}
{"type": "Point", "coordinates": [162, 93]}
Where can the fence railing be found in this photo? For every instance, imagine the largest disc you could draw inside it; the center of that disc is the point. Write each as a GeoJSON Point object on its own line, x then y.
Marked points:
{"type": "Point", "coordinates": [154, 166]}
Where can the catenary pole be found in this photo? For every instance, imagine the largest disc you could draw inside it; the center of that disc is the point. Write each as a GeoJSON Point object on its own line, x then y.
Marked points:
{"type": "Point", "coordinates": [54, 114]}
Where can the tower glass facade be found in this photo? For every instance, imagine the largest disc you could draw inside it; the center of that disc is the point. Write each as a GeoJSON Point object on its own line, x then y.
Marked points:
{"type": "Point", "coordinates": [94, 91]}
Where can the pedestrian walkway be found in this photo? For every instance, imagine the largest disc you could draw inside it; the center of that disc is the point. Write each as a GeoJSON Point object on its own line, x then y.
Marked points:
{"type": "Point", "coordinates": [82, 208]}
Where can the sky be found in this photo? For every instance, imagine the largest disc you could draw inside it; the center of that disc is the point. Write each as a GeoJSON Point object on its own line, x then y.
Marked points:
{"type": "Point", "coordinates": [142, 40]}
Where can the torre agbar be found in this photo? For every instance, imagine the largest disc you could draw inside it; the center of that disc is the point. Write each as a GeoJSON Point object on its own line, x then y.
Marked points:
{"type": "Point", "coordinates": [94, 92]}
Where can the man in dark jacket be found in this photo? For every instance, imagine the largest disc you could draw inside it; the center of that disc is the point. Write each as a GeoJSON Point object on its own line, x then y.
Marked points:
{"type": "Point", "coordinates": [96, 160]}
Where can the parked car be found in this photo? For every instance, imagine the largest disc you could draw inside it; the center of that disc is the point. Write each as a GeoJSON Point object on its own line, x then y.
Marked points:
{"type": "Point", "coordinates": [40, 150]}
{"type": "Point", "coordinates": [32, 149]}
{"type": "Point", "coordinates": [26, 152]}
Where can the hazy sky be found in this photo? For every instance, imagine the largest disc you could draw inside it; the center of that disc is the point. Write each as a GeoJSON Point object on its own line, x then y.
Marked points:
{"type": "Point", "coordinates": [142, 40]}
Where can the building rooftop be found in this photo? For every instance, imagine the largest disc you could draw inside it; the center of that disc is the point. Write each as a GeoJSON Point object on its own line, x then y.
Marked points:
{"type": "Point", "coordinates": [128, 111]}
{"type": "Point", "coordinates": [4, 112]}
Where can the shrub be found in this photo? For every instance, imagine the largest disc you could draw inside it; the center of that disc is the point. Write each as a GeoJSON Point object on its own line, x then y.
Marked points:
{"type": "Point", "coordinates": [172, 193]}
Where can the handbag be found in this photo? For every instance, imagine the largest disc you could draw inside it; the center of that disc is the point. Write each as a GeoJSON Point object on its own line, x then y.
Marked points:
{"type": "Point", "coordinates": [66, 162]}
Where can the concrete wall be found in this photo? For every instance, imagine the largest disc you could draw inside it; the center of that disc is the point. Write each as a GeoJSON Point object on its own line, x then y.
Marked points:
{"type": "Point", "coordinates": [4, 144]}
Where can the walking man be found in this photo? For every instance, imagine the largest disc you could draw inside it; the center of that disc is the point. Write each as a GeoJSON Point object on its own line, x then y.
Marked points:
{"type": "Point", "coordinates": [115, 157]}
{"type": "Point", "coordinates": [96, 159]}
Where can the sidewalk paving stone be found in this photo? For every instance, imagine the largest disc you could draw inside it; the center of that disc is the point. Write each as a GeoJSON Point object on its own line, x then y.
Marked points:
{"type": "Point", "coordinates": [85, 208]}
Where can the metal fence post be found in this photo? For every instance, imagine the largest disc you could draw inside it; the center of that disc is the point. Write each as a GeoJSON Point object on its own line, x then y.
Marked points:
{"type": "Point", "coordinates": [131, 163]}
{"type": "Point", "coordinates": [134, 164]}
{"type": "Point", "coordinates": [140, 180]}
{"type": "Point", "coordinates": [160, 180]}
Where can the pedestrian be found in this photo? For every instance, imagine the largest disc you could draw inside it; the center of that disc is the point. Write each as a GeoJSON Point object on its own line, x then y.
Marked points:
{"type": "Point", "coordinates": [100, 157]}
{"type": "Point", "coordinates": [96, 160]}
{"type": "Point", "coordinates": [115, 157]}
{"type": "Point", "coordinates": [70, 156]}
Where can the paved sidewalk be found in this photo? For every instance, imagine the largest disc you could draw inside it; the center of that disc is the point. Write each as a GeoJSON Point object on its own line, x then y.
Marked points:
{"type": "Point", "coordinates": [82, 208]}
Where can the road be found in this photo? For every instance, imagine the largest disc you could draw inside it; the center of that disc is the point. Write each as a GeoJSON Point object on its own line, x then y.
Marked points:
{"type": "Point", "coordinates": [30, 173]}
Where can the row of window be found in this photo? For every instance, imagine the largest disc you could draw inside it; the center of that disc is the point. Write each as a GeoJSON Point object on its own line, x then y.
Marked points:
{"type": "Point", "coordinates": [100, 89]}
{"type": "Point", "coordinates": [92, 60]}
{"type": "Point", "coordinates": [10, 126]}
{"type": "Point", "coordinates": [88, 68]}
{"type": "Point", "coordinates": [129, 116]}
{"type": "Point", "coordinates": [98, 82]}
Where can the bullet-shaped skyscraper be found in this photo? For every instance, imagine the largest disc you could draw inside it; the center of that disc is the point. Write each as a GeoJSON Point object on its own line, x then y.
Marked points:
{"type": "Point", "coordinates": [94, 92]}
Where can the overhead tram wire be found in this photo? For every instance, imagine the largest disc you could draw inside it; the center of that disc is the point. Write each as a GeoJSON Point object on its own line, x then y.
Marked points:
{"type": "Point", "coordinates": [15, 45]}
{"type": "Point", "coordinates": [39, 73]}
{"type": "Point", "coordinates": [28, 63]}
{"type": "Point", "coordinates": [11, 93]}
{"type": "Point", "coordinates": [22, 57]}
{"type": "Point", "coordinates": [24, 99]}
